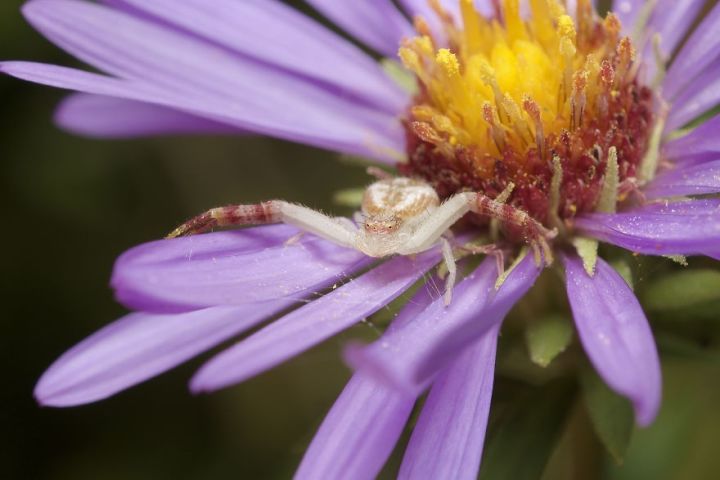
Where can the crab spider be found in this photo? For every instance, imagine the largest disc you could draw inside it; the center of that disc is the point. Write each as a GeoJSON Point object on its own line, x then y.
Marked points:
{"type": "Point", "coordinates": [400, 215]}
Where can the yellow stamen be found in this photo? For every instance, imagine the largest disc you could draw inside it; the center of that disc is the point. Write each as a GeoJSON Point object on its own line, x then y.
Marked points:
{"type": "Point", "coordinates": [505, 81]}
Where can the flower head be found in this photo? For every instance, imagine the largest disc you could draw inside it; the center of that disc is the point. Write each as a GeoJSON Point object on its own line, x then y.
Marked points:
{"type": "Point", "coordinates": [562, 115]}
{"type": "Point", "coordinates": [526, 101]}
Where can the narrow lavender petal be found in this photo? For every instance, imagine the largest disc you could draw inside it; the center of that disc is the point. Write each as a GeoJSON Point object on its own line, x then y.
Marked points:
{"type": "Point", "coordinates": [409, 357]}
{"type": "Point", "coordinates": [140, 346]}
{"type": "Point", "coordinates": [715, 254]}
{"type": "Point", "coordinates": [422, 8]}
{"type": "Point", "coordinates": [671, 19]}
{"type": "Point", "coordinates": [313, 323]}
{"type": "Point", "coordinates": [109, 117]}
{"type": "Point", "coordinates": [700, 51]}
{"type": "Point", "coordinates": [447, 441]}
{"type": "Point", "coordinates": [653, 233]}
{"type": "Point", "coordinates": [278, 35]}
{"type": "Point", "coordinates": [377, 23]}
{"type": "Point", "coordinates": [701, 143]}
{"type": "Point", "coordinates": [616, 335]}
{"type": "Point", "coordinates": [628, 12]}
{"type": "Point", "coordinates": [229, 268]}
{"type": "Point", "coordinates": [683, 207]}
{"type": "Point", "coordinates": [700, 179]}
{"type": "Point", "coordinates": [358, 434]}
{"type": "Point", "coordinates": [200, 76]}
{"type": "Point", "coordinates": [700, 96]}
{"type": "Point", "coordinates": [484, 7]}
{"type": "Point", "coordinates": [341, 448]}
{"type": "Point", "coordinates": [324, 132]}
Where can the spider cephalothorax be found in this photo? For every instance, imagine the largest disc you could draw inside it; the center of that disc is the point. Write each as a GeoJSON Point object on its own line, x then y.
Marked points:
{"type": "Point", "coordinates": [391, 209]}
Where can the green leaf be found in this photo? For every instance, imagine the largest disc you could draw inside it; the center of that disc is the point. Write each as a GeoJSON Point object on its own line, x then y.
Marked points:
{"type": "Point", "coordinates": [350, 197]}
{"type": "Point", "coordinates": [611, 415]}
{"type": "Point", "coordinates": [686, 348]}
{"type": "Point", "coordinates": [523, 436]}
{"type": "Point", "coordinates": [548, 337]}
{"type": "Point", "coordinates": [681, 290]}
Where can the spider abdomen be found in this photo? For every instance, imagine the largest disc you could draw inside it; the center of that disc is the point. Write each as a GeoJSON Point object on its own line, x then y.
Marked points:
{"type": "Point", "coordinates": [402, 198]}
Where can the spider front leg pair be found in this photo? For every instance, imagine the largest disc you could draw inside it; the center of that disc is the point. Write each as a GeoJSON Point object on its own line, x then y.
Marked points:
{"type": "Point", "coordinates": [443, 217]}
{"type": "Point", "coordinates": [382, 233]}
{"type": "Point", "coordinates": [338, 230]}
{"type": "Point", "coordinates": [399, 216]}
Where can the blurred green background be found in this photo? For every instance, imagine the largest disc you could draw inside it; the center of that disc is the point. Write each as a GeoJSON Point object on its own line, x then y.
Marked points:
{"type": "Point", "coordinates": [70, 205]}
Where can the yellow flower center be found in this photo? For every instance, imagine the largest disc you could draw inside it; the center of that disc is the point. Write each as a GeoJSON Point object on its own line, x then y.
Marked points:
{"type": "Point", "coordinates": [517, 101]}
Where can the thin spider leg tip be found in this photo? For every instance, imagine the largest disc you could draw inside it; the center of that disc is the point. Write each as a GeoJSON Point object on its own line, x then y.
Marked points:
{"type": "Point", "coordinates": [200, 224]}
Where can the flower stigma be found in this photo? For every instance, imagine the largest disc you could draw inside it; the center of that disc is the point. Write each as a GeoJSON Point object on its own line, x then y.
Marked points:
{"type": "Point", "coordinates": [548, 108]}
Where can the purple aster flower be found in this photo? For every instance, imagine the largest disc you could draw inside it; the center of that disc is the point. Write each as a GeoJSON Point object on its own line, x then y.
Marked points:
{"type": "Point", "coordinates": [561, 121]}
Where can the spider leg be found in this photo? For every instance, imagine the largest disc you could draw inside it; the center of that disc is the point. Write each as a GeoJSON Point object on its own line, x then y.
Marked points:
{"type": "Point", "coordinates": [630, 186]}
{"type": "Point", "coordinates": [358, 217]}
{"type": "Point", "coordinates": [273, 211]}
{"type": "Point", "coordinates": [449, 258]}
{"type": "Point", "coordinates": [533, 231]}
{"type": "Point", "coordinates": [346, 222]}
{"type": "Point", "coordinates": [436, 224]}
{"type": "Point", "coordinates": [230, 215]}
{"type": "Point", "coordinates": [489, 249]}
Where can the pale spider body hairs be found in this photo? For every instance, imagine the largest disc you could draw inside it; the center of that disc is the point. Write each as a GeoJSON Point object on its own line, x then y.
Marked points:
{"type": "Point", "coordinates": [392, 209]}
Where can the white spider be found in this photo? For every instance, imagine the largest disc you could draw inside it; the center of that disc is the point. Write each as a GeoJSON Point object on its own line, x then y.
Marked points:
{"type": "Point", "coordinates": [399, 215]}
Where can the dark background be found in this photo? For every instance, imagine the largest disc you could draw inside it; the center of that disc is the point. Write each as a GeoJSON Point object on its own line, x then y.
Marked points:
{"type": "Point", "coordinates": [70, 205]}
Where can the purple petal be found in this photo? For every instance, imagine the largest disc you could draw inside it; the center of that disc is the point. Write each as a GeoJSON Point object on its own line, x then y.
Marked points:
{"type": "Point", "coordinates": [108, 117]}
{"type": "Point", "coordinates": [628, 12]}
{"type": "Point", "coordinates": [700, 96]}
{"type": "Point", "coordinates": [423, 9]}
{"type": "Point", "coordinates": [229, 268]}
{"type": "Point", "coordinates": [330, 133]}
{"type": "Point", "coordinates": [358, 434]}
{"type": "Point", "coordinates": [671, 20]}
{"type": "Point", "coordinates": [697, 179]}
{"type": "Point", "coordinates": [138, 347]}
{"type": "Point", "coordinates": [708, 206]}
{"type": "Point", "coordinates": [715, 254]}
{"type": "Point", "coordinates": [352, 445]}
{"type": "Point", "coordinates": [275, 34]}
{"type": "Point", "coordinates": [616, 335]}
{"type": "Point", "coordinates": [201, 78]}
{"type": "Point", "coordinates": [313, 323]}
{"type": "Point", "coordinates": [447, 441]}
{"type": "Point", "coordinates": [699, 52]}
{"type": "Point", "coordinates": [652, 233]}
{"type": "Point", "coordinates": [700, 145]}
{"type": "Point", "coordinates": [683, 207]}
{"type": "Point", "coordinates": [377, 23]}
{"type": "Point", "coordinates": [409, 357]}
